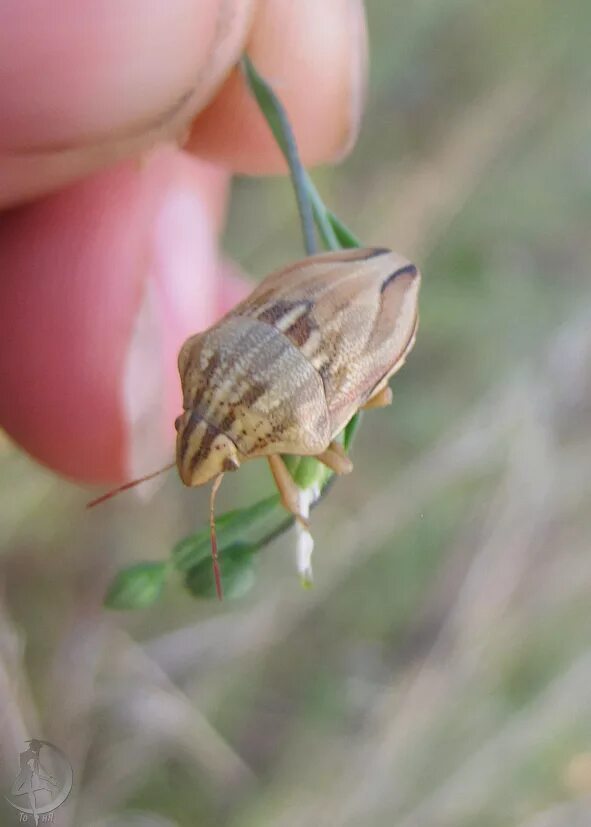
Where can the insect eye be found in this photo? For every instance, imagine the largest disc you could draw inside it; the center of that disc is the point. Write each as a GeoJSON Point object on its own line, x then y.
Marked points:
{"type": "Point", "coordinates": [177, 422]}
{"type": "Point", "coordinates": [230, 464]}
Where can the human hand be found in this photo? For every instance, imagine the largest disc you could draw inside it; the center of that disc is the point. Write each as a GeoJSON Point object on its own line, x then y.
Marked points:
{"type": "Point", "coordinates": [108, 245]}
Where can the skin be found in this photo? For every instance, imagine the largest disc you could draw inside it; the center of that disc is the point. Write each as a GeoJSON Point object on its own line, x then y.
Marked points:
{"type": "Point", "coordinates": [109, 233]}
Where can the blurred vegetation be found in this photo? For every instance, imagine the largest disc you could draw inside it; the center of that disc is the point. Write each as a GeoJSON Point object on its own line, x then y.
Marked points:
{"type": "Point", "coordinates": [439, 672]}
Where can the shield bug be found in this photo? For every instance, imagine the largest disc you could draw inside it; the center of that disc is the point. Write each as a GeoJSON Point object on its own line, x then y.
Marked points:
{"type": "Point", "coordinates": [287, 368]}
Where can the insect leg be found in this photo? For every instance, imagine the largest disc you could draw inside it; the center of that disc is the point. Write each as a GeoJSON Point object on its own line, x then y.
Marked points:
{"type": "Point", "coordinates": [288, 490]}
{"type": "Point", "coordinates": [381, 399]}
{"type": "Point", "coordinates": [336, 459]}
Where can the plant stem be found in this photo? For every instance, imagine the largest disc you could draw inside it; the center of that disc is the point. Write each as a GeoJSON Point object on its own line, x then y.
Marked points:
{"type": "Point", "coordinates": [278, 122]}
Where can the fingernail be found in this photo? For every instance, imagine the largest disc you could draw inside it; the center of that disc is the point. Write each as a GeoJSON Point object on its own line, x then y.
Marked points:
{"type": "Point", "coordinates": [358, 64]}
{"type": "Point", "coordinates": [178, 299]}
{"type": "Point", "coordinates": [147, 447]}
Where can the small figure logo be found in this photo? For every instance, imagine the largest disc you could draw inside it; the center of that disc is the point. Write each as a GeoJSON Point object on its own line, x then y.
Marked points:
{"type": "Point", "coordinates": [43, 782]}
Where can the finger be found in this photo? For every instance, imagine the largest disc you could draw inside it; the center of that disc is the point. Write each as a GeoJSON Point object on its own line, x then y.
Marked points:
{"type": "Point", "coordinates": [85, 84]}
{"type": "Point", "coordinates": [101, 285]}
{"type": "Point", "coordinates": [314, 55]}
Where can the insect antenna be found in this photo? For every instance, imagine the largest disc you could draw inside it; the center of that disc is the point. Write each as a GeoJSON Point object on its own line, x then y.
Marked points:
{"type": "Point", "coordinates": [104, 497]}
{"type": "Point", "coordinates": [214, 543]}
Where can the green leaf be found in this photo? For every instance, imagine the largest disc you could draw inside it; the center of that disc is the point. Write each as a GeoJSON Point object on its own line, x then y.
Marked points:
{"type": "Point", "coordinates": [309, 471]}
{"type": "Point", "coordinates": [305, 470]}
{"type": "Point", "coordinates": [335, 235]}
{"type": "Point", "coordinates": [137, 586]}
{"type": "Point", "coordinates": [237, 569]}
{"type": "Point", "coordinates": [350, 430]}
{"type": "Point", "coordinates": [346, 238]}
{"type": "Point", "coordinates": [322, 216]}
{"type": "Point", "coordinates": [276, 117]}
{"type": "Point", "coordinates": [230, 528]}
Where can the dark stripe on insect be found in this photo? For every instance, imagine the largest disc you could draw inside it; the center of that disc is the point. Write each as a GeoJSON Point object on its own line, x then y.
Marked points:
{"type": "Point", "coordinates": [206, 443]}
{"type": "Point", "coordinates": [360, 253]}
{"type": "Point", "coordinates": [276, 312]}
{"type": "Point", "coordinates": [408, 270]}
{"type": "Point", "coordinates": [251, 395]}
{"type": "Point", "coordinates": [300, 331]}
{"type": "Point", "coordinates": [211, 431]}
{"type": "Point", "coordinates": [188, 365]}
{"type": "Point", "coordinates": [194, 420]}
{"type": "Point", "coordinates": [206, 377]}
{"type": "Point", "coordinates": [374, 253]}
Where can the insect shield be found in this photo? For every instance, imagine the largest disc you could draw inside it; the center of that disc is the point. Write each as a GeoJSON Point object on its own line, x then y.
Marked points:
{"type": "Point", "coordinates": [286, 370]}
{"type": "Point", "coordinates": [43, 780]}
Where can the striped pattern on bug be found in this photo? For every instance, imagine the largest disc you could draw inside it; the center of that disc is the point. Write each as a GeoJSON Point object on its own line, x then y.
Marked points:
{"type": "Point", "coordinates": [286, 369]}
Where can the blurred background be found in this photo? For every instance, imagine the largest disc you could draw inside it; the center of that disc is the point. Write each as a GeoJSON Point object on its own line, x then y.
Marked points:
{"type": "Point", "coordinates": [439, 672]}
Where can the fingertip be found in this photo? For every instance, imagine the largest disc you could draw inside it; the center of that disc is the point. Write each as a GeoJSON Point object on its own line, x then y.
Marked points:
{"type": "Point", "coordinates": [78, 269]}
{"type": "Point", "coordinates": [314, 56]}
{"type": "Point", "coordinates": [106, 82]}
{"type": "Point", "coordinates": [180, 296]}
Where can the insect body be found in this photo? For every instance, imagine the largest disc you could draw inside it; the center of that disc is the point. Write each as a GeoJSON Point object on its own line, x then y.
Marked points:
{"type": "Point", "coordinates": [286, 369]}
